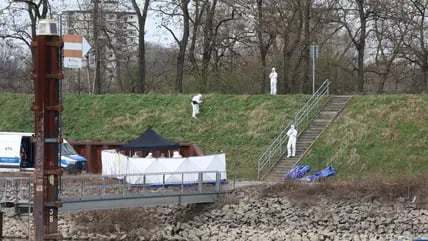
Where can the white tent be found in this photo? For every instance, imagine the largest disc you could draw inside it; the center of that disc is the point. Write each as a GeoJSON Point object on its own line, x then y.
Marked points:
{"type": "Point", "coordinates": [185, 169]}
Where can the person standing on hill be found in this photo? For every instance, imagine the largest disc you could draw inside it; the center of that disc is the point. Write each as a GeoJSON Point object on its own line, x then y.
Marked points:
{"type": "Point", "coordinates": [292, 138]}
{"type": "Point", "coordinates": [196, 100]}
{"type": "Point", "coordinates": [273, 79]}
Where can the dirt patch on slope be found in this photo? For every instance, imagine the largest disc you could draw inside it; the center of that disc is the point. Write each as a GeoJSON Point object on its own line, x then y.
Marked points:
{"type": "Point", "coordinates": [414, 190]}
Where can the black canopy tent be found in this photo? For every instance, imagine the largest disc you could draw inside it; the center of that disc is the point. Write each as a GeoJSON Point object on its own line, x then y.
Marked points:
{"type": "Point", "coordinates": [150, 141]}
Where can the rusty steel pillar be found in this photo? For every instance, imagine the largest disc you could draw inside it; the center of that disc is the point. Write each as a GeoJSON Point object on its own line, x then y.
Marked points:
{"type": "Point", "coordinates": [1, 225]}
{"type": "Point", "coordinates": [47, 137]}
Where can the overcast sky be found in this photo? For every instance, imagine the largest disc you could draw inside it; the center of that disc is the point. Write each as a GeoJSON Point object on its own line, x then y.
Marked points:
{"type": "Point", "coordinates": [154, 34]}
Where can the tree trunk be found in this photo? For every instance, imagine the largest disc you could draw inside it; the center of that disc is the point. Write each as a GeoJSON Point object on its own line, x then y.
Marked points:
{"type": "Point", "coordinates": [381, 85]}
{"type": "Point", "coordinates": [196, 23]}
{"type": "Point", "coordinates": [425, 78]}
{"type": "Point", "coordinates": [263, 47]}
{"type": "Point", "coordinates": [361, 46]}
{"type": "Point", "coordinates": [142, 16]}
{"type": "Point", "coordinates": [183, 46]}
{"type": "Point", "coordinates": [263, 72]}
{"type": "Point", "coordinates": [288, 85]}
{"type": "Point", "coordinates": [207, 43]}
{"type": "Point", "coordinates": [360, 76]}
{"type": "Point", "coordinates": [96, 23]}
{"type": "Point", "coordinates": [34, 15]}
{"type": "Point", "coordinates": [304, 83]}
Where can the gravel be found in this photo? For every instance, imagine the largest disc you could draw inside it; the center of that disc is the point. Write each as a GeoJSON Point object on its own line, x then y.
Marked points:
{"type": "Point", "coordinates": [246, 214]}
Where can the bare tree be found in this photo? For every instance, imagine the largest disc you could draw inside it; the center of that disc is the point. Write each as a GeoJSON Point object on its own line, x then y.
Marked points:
{"type": "Point", "coordinates": [24, 31]}
{"type": "Point", "coordinates": [210, 31]}
{"type": "Point", "coordinates": [96, 27]}
{"type": "Point", "coordinates": [14, 67]}
{"type": "Point", "coordinates": [410, 22]}
{"type": "Point", "coordinates": [354, 16]}
{"type": "Point", "coordinates": [388, 42]}
{"type": "Point", "coordinates": [142, 16]}
{"type": "Point", "coordinates": [182, 45]}
{"type": "Point", "coordinates": [208, 42]}
{"type": "Point", "coordinates": [265, 39]}
{"type": "Point", "coordinates": [289, 19]}
{"type": "Point", "coordinates": [171, 10]}
{"type": "Point", "coordinates": [195, 20]}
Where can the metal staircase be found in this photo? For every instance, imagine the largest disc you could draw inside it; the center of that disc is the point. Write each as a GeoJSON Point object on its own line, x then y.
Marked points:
{"type": "Point", "coordinates": [308, 137]}
{"type": "Point", "coordinates": [275, 151]}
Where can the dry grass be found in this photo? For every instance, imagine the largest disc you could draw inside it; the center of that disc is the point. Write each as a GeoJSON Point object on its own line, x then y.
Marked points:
{"type": "Point", "coordinates": [413, 189]}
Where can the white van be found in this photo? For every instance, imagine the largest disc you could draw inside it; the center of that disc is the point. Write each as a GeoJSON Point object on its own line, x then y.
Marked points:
{"type": "Point", "coordinates": [17, 154]}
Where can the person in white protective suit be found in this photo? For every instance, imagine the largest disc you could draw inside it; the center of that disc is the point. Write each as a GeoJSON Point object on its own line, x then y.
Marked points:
{"type": "Point", "coordinates": [176, 154]}
{"type": "Point", "coordinates": [292, 138]}
{"type": "Point", "coordinates": [273, 80]}
{"type": "Point", "coordinates": [196, 100]}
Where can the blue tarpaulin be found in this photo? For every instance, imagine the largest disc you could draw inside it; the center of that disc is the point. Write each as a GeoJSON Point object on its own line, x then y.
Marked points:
{"type": "Point", "coordinates": [297, 172]}
{"type": "Point", "coordinates": [326, 172]}
{"type": "Point", "coordinates": [300, 171]}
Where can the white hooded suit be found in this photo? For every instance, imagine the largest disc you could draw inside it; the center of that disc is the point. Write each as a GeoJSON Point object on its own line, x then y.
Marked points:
{"type": "Point", "coordinates": [196, 100]}
{"type": "Point", "coordinates": [273, 80]}
{"type": "Point", "coordinates": [292, 138]}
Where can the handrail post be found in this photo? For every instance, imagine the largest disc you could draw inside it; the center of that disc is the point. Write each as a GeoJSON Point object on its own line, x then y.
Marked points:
{"type": "Point", "coordinates": [144, 182]}
{"type": "Point", "coordinates": [124, 186]}
{"type": "Point", "coordinates": [82, 189]}
{"type": "Point", "coordinates": [182, 182]}
{"type": "Point", "coordinates": [200, 176]}
{"type": "Point", "coordinates": [103, 193]}
{"type": "Point", "coordinates": [218, 181]}
{"type": "Point", "coordinates": [163, 181]}
{"type": "Point", "coordinates": [328, 87]}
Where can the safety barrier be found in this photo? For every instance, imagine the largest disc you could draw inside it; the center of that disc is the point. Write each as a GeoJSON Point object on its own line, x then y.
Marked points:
{"type": "Point", "coordinates": [277, 149]}
{"type": "Point", "coordinates": [93, 192]}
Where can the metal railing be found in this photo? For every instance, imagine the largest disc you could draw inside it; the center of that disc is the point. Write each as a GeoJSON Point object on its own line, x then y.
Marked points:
{"type": "Point", "coordinates": [101, 187]}
{"type": "Point", "coordinates": [277, 149]}
{"type": "Point", "coordinates": [94, 187]}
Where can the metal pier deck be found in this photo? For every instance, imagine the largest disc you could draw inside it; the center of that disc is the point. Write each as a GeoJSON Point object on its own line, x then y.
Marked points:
{"type": "Point", "coordinates": [95, 192]}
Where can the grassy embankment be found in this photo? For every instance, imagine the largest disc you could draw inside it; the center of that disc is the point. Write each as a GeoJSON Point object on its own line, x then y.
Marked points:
{"type": "Point", "coordinates": [376, 136]}
{"type": "Point", "coordinates": [379, 136]}
{"type": "Point", "coordinates": [239, 125]}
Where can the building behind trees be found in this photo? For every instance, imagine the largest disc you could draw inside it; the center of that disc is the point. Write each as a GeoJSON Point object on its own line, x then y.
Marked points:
{"type": "Point", "coordinates": [115, 36]}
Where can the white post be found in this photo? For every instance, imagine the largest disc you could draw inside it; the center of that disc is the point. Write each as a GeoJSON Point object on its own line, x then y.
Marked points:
{"type": "Point", "coordinates": [313, 52]}
{"type": "Point", "coordinates": [313, 72]}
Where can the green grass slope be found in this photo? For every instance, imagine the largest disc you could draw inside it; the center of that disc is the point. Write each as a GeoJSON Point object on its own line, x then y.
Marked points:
{"type": "Point", "coordinates": [375, 136]}
{"type": "Point", "coordinates": [241, 126]}
{"type": "Point", "coordinates": [380, 136]}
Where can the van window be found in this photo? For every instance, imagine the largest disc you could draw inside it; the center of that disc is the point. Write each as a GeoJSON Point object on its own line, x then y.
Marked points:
{"type": "Point", "coordinates": [27, 152]}
{"type": "Point", "coordinates": [67, 149]}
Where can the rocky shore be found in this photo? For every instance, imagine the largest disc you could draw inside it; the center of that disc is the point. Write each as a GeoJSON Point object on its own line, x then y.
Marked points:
{"type": "Point", "coordinates": [256, 213]}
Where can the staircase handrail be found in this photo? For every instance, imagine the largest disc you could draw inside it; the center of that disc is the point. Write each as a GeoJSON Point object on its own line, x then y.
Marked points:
{"type": "Point", "coordinates": [277, 149]}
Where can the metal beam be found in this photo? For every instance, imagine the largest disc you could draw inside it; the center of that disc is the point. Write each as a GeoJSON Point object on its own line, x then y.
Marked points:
{"type": "Point", "coordinates": [112, 203]}
{"type": "Point", "coordinates": [47, 74]}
